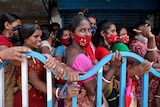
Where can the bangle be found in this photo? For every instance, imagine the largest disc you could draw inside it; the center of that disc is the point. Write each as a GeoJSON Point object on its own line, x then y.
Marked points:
{"type": "Point", "coordinates": [107, 81]}
{"type": "Point", "coordinates": [152, 63]}
{"type": "Point", "coordinates": [57, 92]}
{"type": "Point", "coordinates": [152, 49]}
{"type": "Point", "coordinates": [157, 96]}
{"type": "Point", "coordinates": [137, 77]}
{"type": "Point", "coordinates": [1, 60]}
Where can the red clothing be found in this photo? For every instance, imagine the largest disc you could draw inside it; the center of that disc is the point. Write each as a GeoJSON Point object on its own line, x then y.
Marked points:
{"type": "Point", "coordinates": [90, 50]}
{"type": "Point", "coordinates": [101, 52]}
{"type": "Point", "coordinates": [140, 48]}
{"type": "Point", "coordinates": [5, 41]}
{"type": "Point", "coordinates": [36, 97]}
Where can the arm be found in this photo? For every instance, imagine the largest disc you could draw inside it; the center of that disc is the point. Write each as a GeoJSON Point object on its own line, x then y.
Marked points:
{"type": "Point", "coordinates": [14, 53]}
{"type": "Point", "coordinates": [115, 63]}
{"type": "Point", "coordinates": [36, 82]}
{"type": "Point", "coordinates": [151, 54]}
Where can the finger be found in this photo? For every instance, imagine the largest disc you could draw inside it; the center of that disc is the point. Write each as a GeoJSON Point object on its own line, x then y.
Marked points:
{"type": "Point", "coordinates": [22, 49]}
{"type": "Point", "coordinates": [113, 57]}
{"type": "Point", "coordinates": [136, 30]}
{"type": "Point", "coordinates": [116, 55]}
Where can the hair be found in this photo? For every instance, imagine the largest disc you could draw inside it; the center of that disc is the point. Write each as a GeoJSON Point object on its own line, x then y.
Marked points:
{"type": "Point", "coordinates": [27, 30]}
{"type": "Point", "coordinates": [75, 21]}
{"type": "Point", "coordinates": [54, 24]}
{"type": "Point", "coordinates": [45, 33]}
{"type": "Point", "coordinates": [140, 24]}
{"type": "Point", "coordinates": [7, 17]}
{"type": "Point", "coordinates": [102, 26]}
{"type": "Point", "coordinates": [91, 15]}
{"type": "Point", "coordinates": [120, 27]}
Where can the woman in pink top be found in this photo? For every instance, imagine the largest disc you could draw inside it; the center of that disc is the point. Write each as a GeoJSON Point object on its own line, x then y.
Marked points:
{"type": "Point", "coordinates": [77, 58]}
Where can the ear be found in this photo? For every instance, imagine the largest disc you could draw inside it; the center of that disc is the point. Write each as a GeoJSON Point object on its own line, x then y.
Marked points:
{"type": "Point", "coordinates": [71, 33]}
{"type": "Point", "coordinates": [7, 25]}
{"type": "Point", "coordinates": [102, 33]}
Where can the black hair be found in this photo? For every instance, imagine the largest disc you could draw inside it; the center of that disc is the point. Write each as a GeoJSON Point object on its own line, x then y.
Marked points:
{"type": "Point", "coordinates": [27, 30]}
{"type": "Point", "coordinates": [7, 17]}
{"type": "Point", "coordinates": [75, 21]}
{"type": "Point", "coordinates": [91, 15]}
{"type": "Point", "coordinates": [45, 33]}
{"type": "Point", "coordinates": [139, 24]}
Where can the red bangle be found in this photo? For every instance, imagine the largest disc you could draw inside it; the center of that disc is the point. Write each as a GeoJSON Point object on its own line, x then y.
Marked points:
{"type": "Point", "coordinates": [1, 60]}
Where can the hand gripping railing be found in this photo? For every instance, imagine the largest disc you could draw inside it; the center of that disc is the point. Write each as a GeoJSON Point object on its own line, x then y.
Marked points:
{"type": "Point", "coordinates": [94, 70]}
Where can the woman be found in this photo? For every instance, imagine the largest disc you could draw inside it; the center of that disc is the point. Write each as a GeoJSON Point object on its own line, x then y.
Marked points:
{"type": "Point", "coordinates": [107, 35]}
{"type": "Point", "coordinates": [30, 36]}
{"type": "Point", "coordinates": [122, 34]}
{"type": "Point", "coordinates": [65, 40]}
{"type": "Point", "coordinates": [76, 58]}
{"type": "Point", "coordinates": [9, 25]}
{"type": "Point", "coordinates": [144, 45]}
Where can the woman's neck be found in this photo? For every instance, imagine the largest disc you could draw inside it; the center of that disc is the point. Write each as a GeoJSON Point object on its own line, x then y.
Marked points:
{"type": "Point", "coordinates": [78, 47]}
{"type": "Point", "coordinates": [6, 33]}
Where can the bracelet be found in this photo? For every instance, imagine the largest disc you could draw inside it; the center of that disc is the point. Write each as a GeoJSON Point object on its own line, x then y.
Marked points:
{"type": "Point", "coordinates": [107, 81]}
{"type": "Point", "coordinates": [157, 96]}
{"type": "Point", "coordinates": [137, 77]}
{"type": "Point", "coordinates": [57, 92]}
{"type": "Point", "coordinates": [152, 63]}
{"type": "Point", "coordinates": [153, 49]}
{"type": "Point", "coordinates": [1, 60]}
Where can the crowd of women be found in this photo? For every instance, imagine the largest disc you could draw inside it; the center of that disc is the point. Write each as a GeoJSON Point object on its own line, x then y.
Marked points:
{"type": "Point", "coordinates": [72, 51]}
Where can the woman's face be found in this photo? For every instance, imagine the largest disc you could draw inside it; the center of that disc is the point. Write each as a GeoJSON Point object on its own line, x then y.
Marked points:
{"type": "Point", "coordinates": [66, 34]}
{"type": "Point", "coordinates": [122, 32]}
{"type": "Point", "coordinates": [84, 29]}
{"type": "Point", "coordinates": [10, 26]}
{"type": "Point", "coordinates": [112, 29]}
{"type": "Point", "coordinates": [34, 40]}
{"type": "Point", "coordinates": [16, 23]}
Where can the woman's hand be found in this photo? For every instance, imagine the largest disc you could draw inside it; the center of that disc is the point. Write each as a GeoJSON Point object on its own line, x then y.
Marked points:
{"type": "Point", "coordinates": [53, 64]}
{"type": "Point", "coordinates": [140, 68]}
{"type": "Point", "coordinates": [14, 53]}
{"type": "Point", "coordinates": [145, 31]}
{"type": "Point", "coordinates": [72, 90]}
{"type": "Point", "coordinates": [117, 60]}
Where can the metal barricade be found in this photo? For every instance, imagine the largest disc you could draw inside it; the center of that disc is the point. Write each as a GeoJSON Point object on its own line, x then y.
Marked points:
{"type": "Point", "coordinates": [96, 69]}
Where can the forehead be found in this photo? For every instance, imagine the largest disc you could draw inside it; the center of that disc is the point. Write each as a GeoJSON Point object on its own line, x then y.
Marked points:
{"type": "Point", "coordinates": [37, 32]}
{"type": "Point", "coordinates": [123, 30]}
{"type": "Point", "coordinates": [91, 19]}
{"type": "Point", "coordinates": [113, 26]}
{"type": "Point", "coordinates": [16, 23]}
{"type": "Point", "coordinates": [83, 24]}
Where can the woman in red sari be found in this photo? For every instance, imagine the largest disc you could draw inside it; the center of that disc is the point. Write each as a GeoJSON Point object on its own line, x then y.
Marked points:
{"type": "Point", "coordinates": [30, 36]}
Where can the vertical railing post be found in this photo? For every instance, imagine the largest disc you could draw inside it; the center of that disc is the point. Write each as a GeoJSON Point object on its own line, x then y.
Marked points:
{"type": "Point", "coordinates": [24, 74]}
{"type": "Point", "coordinates": [99, 88]}
{"type": "Point", "coordinates": [1, 87]}
{"type": "Point", "coordinates": [74, 99]}
{"type": "Point", "coordinates": [122, 82]}
{"type": "Point", "coordinates": [49, 88]}
{"type": "Point", "coordinates": [145, 80]}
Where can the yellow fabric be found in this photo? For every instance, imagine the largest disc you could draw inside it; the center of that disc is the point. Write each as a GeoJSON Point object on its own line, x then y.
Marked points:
{"type": "Point", "coordinates": [108, 89]}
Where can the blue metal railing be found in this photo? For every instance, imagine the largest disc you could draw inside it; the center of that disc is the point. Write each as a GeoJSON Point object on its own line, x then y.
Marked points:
{"type": "Point", "coordinates": [98, 69]}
